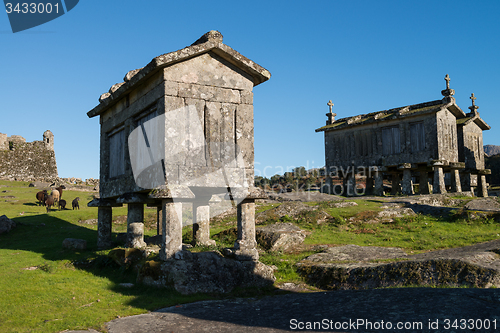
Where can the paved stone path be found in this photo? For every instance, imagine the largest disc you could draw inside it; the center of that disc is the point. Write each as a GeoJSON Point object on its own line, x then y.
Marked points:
{"type": "Point", "coordinates": [420, 309]}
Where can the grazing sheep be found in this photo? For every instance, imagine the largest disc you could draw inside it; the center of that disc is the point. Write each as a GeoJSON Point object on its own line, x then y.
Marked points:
{"type": "Point", "coordinates": [75, 203]}
{"type": "Point", "coordinates": [55, 194]}
{"type": "Point", "coordinates": [41, 196]}
{"type": "Point", "coordinates": [60, 189]}
{"type": "Point", "coordinates": [62, 204]}
{"type": "Point", "coordinates": [49, 202]}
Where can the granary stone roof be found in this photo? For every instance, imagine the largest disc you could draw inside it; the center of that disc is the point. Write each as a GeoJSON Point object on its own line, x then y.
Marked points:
{"type": "Point", "coordinates": [209, 42]}
{"type": "Point", "coordinates": [392, 114]}
{"type": "Point", "coordinates": [473, 118]}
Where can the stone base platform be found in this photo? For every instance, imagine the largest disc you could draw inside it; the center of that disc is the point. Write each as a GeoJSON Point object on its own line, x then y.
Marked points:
{"type": "Point", "coordinates": [206, 272]}
{"type": "Point", "coordinates": [366, 267]}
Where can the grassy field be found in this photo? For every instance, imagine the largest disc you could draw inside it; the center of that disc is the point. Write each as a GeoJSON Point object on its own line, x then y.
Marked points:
{"type": "Point", "coordinates": [45, 288]}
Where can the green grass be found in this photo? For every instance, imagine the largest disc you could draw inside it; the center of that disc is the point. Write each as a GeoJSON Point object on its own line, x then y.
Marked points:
{"type": "Point", "coordinates": [57, 295]}
{"type": "Point", "coordinates": [61, 295]}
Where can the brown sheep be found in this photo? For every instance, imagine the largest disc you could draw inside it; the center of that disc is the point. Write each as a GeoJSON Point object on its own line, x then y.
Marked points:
{"type": "Point", "coordinates": [49, 202]}
{"type": "Point", "coordinates": [75, 203]}
{"type": "Point", "coordinates": [56, 195]}
{"type": "Point", "coordinates": [41, 196]}
{"type": "Point", "coordinates": [60, 189]}
{"type": "Point", "coordinates": [62, 204]}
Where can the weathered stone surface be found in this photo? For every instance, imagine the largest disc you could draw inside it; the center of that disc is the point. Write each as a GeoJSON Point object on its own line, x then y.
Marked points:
{"type": "Point", "coordinates": [130, 257]}
{"type": "Point", "coordinates": [484, 204]}
{"type": "Point", "coordinates": [344, 204]}
{"type": "Point", "coordinates": [352, 252]}
{"type": "Point", "coordinates": [28, 161]}
{"type": "Point", "coordinates": [396, 212]}
{"type": "Point", "coordinates": [355, 267]}
{"type": "Point", "coordinates": [74, 244]}
{"type": "Point", "coordinates": [290, 209]}
{"type": "Point", "coordinates": [280, 236]}
{"type": "Point", "coordinates": [135, 235]}
{"type": "Point", "coordinates": [6, 224]}
{"type": "Point", "coordinates": [206, 272]}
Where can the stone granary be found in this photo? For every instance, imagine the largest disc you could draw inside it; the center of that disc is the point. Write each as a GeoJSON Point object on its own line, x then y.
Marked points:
{"type": "Point", "coordinates": [180, 130]}
{"type": "Point", "coordinates": [421, 142]}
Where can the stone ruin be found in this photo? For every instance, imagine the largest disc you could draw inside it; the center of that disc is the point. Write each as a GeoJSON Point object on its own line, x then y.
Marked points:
{"type": "Point", "coordinates": [27, 161]}
{"type": "Point", "coordinates": [179, 131]}
{"type": "Point", "coordinates": [435, 144]}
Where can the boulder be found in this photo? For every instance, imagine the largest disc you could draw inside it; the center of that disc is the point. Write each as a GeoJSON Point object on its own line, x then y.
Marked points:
{"type": "Point", "coordinates": [206, 272]}
{"type": "Point", "coordinates": [483, 204]}
{"type": "Point", "coordinates": [280, 236]}
{"type": "Point", "coordinates": [360, 267]}
{"type": "Point", "coordinates": [74, 244]}
{"type": "Point", "coordinates": [6, 224]}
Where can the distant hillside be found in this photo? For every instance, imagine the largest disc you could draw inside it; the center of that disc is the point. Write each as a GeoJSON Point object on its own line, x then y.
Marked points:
{"type": "Point", "coordinates": [491, 150]}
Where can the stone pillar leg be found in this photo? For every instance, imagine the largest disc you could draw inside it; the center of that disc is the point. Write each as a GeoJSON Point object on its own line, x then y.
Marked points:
{"type": "Point", "coordinates": [370, 185]}
{"type": "Point", "coordinates": [171, 237]}
{"type": "Point", "coordinates": [379, 183]}
{"type": "Point", "coordinates": [349, 182]}
{"type": "Point", "coordinates": [466, 183]}
{"type": "Point", "coordinates": [104, 218]}
{"type": "Point", "coordinates": [407, 184]}
{"type": "Point", "coordinates": [456, 186]}
{"type": "Point", "coordinates": [201, 228]}
{"type": "Point", "coordinates": [438, 185]}
{"type": "Point", "coordinates": [245, 247]}
{"type": "Point", "coordinates": [482, 188]}
{"type": "Point", "coordinates": [158, 221]}
{"type": "Point", "coordinates": [423, 184]}
{"type": "Point", "coordinates": [135, 233]}
{"type": "Point", "coordinates": [328, 186]}
{"type": "Point", "coordinates": [395, 184]}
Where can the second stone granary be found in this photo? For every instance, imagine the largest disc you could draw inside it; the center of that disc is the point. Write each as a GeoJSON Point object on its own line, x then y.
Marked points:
{"type": "Point", "coordinates": [422, 142]}
{"type": "Point", "coordinates": [180, 130]}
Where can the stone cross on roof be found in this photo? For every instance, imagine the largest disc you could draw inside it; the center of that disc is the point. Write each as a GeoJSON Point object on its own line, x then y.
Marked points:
{"type": "Point", "coordinates": [330, 104]}
{"type": "Point", "coordinates": [473, 98]}
{"type": "Point", "coordinates": [447, 79]}
{"type": "Point", "coordinates": [330, 115]}
{"type": "Point", "coordinates": [473, 108]}
{"type": "Point", "coordinates": [447, 92]}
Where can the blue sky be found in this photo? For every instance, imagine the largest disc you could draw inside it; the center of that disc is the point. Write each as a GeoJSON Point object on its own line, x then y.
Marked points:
{"type": "Point", "coordinates": [363, 55]}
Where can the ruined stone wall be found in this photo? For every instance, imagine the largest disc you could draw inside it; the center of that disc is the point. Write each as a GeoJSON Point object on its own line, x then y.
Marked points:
{"type": "Point", "coordinates": [26, 161]}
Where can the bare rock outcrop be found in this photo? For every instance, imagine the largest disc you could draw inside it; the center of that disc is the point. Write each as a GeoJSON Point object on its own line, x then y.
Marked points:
{"type": "Point", "coordinates": [361, 267]}
{"type": "Point", "coordinates": [280, 236]}
{"type": "Point", "coordinates": [206, 272]}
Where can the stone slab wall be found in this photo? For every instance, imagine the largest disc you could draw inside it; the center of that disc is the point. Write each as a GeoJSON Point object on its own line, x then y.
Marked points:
{"type": "Point", "coordinates": [363, 146]}
{"type": "Point", "coordinates": [27, 161]}
{"type": "Point", "coordinates": [447, 136]}
{"type": "Point", "coordinates": [471, 146]}
{"type": "Point", "coordinates": [221, 94]}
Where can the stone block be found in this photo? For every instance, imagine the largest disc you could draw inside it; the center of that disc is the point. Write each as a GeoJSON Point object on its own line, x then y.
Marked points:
{"type": "Point", "coordinates": [74, 244]}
